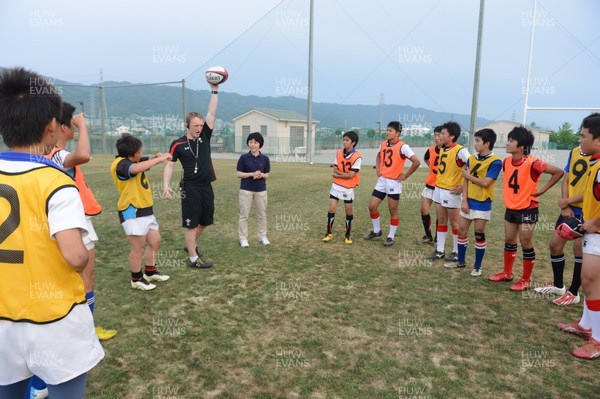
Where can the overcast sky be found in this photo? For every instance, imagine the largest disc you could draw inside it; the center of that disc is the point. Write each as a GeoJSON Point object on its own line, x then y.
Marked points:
{"type": "Point", "coordinates": [418, 53]}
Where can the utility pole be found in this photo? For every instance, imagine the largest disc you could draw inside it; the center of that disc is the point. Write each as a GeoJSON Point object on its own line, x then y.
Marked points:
{"type": "Point", "coordinates": [183, 99]}
{"type": "Point", "coordinates": [309, 133]}
{"type": "Point", "coordinates": [102, 113]}
{"type": "Point", "coordinates": [381, 106]}
{"type": "Point", "coordinates": [475, 102]}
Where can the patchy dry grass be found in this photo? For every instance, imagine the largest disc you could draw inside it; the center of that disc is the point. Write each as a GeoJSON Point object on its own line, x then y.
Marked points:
{"type": "Point", "coordinates": [305, 319]}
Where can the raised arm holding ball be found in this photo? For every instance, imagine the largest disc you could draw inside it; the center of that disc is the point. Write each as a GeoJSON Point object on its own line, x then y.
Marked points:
{"type": "Point", "coordinates": [193, 151]}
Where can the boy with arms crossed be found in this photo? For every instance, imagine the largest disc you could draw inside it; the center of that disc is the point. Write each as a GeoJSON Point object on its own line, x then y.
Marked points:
{"type": "Point", "coordinates": [448, 188]}
{"type": "Point", "coordinates": [346, 176]}
{"type": "Point", "coordinates": [522, 173]}
{"type": "Point", "coordinates": [389, 165]}
{"type": "Point", "coordinates": [480, 175]}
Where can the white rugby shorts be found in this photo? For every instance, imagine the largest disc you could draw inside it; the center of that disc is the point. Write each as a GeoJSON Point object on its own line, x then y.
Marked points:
{"type": "Point", "coordinates": [56, 352]}
{"type": "Point", "coordinates": [140, 226]}
{"type": "Point", "coordinates": [591, 244]}
{"type": "Point", "coordinates": [388, 186]}
{"type": "Point", "coordinates": [446, 199]}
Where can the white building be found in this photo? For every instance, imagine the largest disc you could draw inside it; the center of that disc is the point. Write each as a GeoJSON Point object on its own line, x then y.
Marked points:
{"type": "Point", "coordinates": [284, 131]}
{"type": "Point", "coordinates": [415, 130]}
{"type": "Point", "coordinates": [121, 130]}
{"type": "Point", "coordinates": [503, 127]}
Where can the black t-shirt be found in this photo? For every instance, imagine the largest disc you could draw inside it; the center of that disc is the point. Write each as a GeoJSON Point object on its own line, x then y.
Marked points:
{"type": "Point", "coordinates": [195, 157]}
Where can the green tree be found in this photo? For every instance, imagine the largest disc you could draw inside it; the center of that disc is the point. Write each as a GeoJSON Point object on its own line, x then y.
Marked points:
{"type": "Point", "coordinates": [338, 132]}
{"type": "Point", "coordinates": [565, 138]}
{"type": "Point", "coordinates": [371, 133]}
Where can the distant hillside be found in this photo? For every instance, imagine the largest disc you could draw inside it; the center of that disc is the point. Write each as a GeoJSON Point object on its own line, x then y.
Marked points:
{"type": "Point", "coordinates": [161, 100]}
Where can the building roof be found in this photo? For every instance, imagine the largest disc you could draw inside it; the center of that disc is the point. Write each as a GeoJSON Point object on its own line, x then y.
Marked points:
{"type": "Point", "coordinates": [504, 126]}
{"type": "Point", "coordinates": [279, 114]}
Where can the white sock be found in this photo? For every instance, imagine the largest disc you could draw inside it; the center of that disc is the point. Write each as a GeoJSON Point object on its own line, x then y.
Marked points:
{"type": "Point", "coordinates": [594, 317]}
{"type": "Point", "coordinates": [585, 321]}
{"type": "Point", "coordinates": [441, 240]}
{"type": "Point", "coordinates": [376, 225]}
{"type": "Point", "coordinates": [193, 259]}
{"type": "Point", "coordinates": [455, 243]}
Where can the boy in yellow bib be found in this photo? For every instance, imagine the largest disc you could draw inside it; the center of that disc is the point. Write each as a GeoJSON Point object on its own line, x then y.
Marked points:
{"type": "Point", "coordinates": [480, 175]}
{"type": "Point", "coordinates": [135, 209]}
{"type": "Point", "coordinates": [45, 321]}
{"type": "Point", "coordinates": [448, 189]}
{"type": "Point", "coordinates": [589, 325]}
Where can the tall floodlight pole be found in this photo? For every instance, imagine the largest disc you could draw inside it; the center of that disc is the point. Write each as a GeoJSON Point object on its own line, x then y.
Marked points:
{"type": "Point", "coordinates": [475, 102]}
{"type": "Point", "coordinates": [526, 106]}
{"type": "Point", "coordinates": [309, 132]}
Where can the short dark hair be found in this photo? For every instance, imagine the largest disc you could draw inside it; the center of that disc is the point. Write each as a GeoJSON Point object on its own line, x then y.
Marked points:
{"type": "Point", "coordinates": [590, 116]}
{"type": "Point", "coordinates": [523, 137]}
{"type": "Point", "coordinates": [487, 136]}
{"type": "Point", "coordinates": [592, 124]}
{"type": "Point", "coordinates": [256, 136]}
{"type": "Point", "coordinates": [352, 136]}
{"type": "Point", "coordinates": [438, 129]}
{"type": "Point", "coordinates": [28, 103]}
{"type": "Point", "coordinates": [67, 114]}
{"type": "Point", "coordinates": [190, 116]}
{"type": "Point", "coordinates": [453, 128]}
{"type": "Point", "coordinates": [396, 125]}
{"type": "Point", "coordinates": [128, 145]}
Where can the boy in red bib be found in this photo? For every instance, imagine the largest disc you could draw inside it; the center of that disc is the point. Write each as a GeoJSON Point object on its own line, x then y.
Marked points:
{"type": "Point", "coordinates": [522, 173]}
{"type": "Point", "coordinates": [389, 165]}
{"type": "Point", "coordinates": [346, 176]}
{"type": "Point", "coordinates": [432, 159]}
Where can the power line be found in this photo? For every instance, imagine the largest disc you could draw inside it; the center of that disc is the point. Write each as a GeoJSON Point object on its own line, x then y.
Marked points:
{"type": "Point", "coordinates": [121, 86]}
{"type": "Point", "coordinates": [234, 40]}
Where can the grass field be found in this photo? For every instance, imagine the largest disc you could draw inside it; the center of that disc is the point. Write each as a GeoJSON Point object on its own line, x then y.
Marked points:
{"type": "Point", "coordinates": [306, 319]}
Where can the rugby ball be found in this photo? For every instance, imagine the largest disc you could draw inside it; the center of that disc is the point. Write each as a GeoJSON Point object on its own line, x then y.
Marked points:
{"type": "Point", "coordinates": [216, 75]}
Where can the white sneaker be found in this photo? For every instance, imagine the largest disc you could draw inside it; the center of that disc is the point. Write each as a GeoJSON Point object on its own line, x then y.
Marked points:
{"type": "Point", "coordinates": [244, 243]}
{"type": "Point", "coordinates": [476, 272]}
{"type": "Point", "coordinates": [264, 240]}
{"type": "Point", "coordinates": [551, 289]}
{"type": "Point", "coordinates": [156, 277]}
{"type": "Point", "coordinates": [142, 284]}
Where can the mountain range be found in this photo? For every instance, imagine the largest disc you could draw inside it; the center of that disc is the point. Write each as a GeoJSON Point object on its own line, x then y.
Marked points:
{"type": "Point", "coordinates": [150, 100]}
